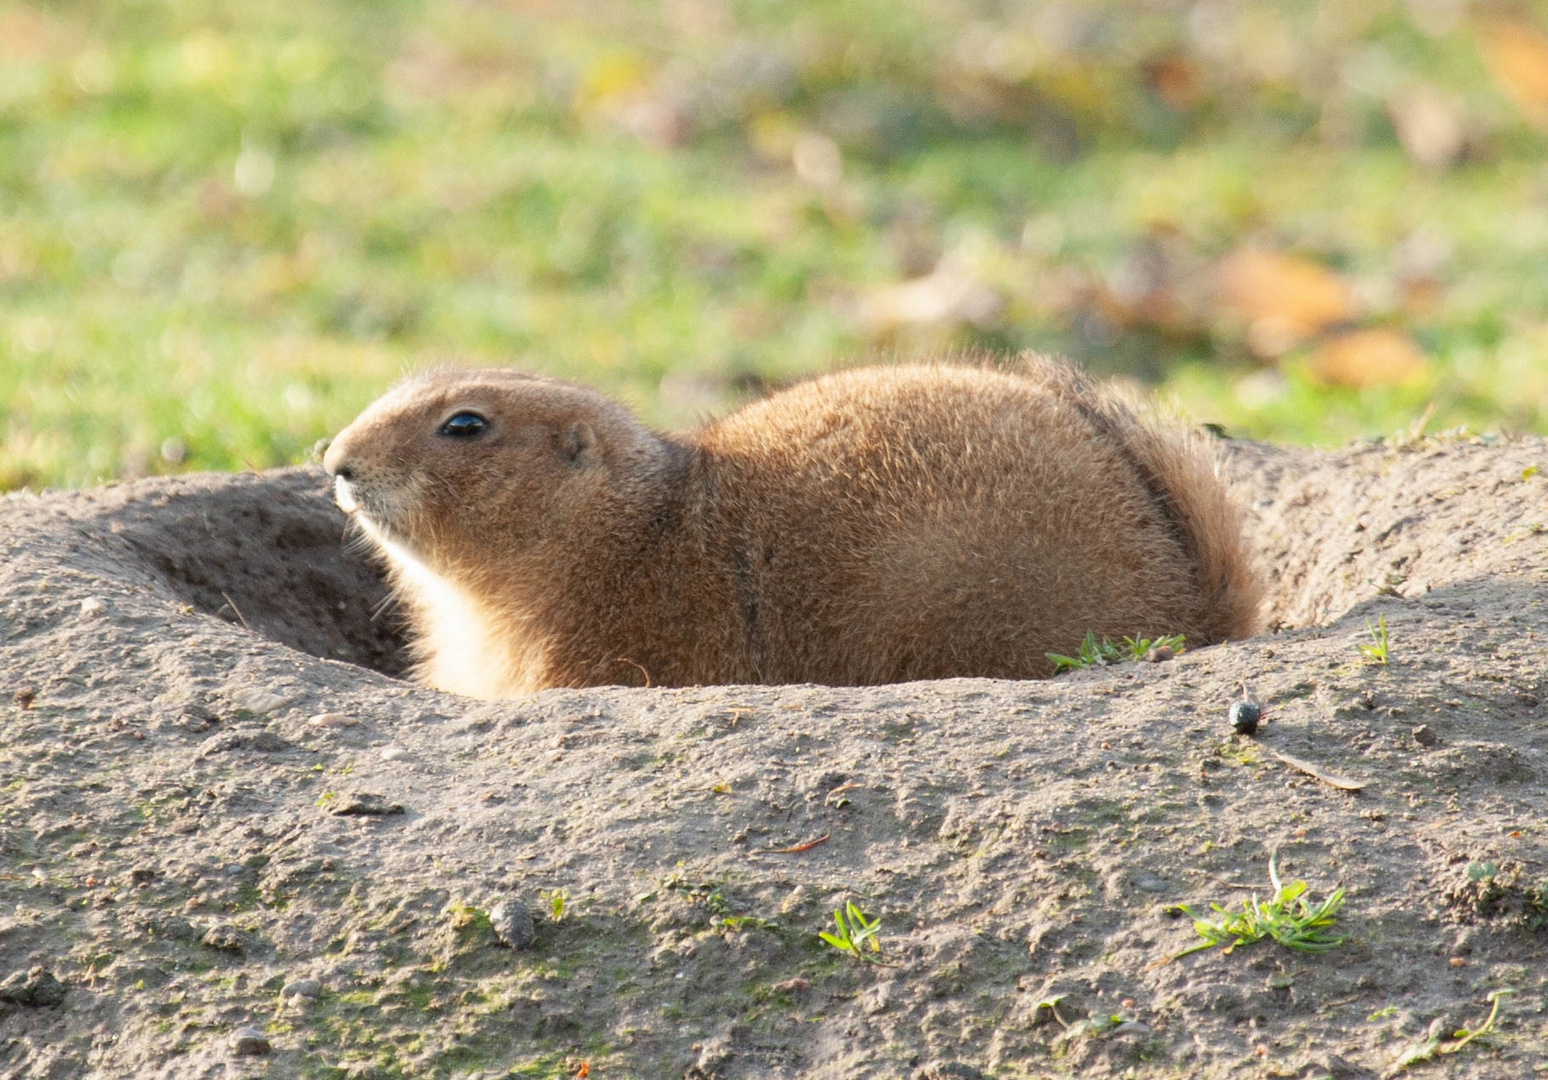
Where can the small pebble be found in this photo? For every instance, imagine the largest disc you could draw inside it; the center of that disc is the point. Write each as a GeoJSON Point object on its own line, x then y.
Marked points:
{"type": "Point", "coordinates": [25, 697]}
{"type": "Point", "coordinates": [269, 742]}
{"type": "Point", "coordinates": [225, 937]}
{"type": "Point", "coordinates": [36, 988]}
{"type": "Point", "coordinates": [92, 606]}
{"type": "Point", "coordinates": [363, 804]}
{"type": "Point", "coordinates": [394, 753]}
{"type": "Point", "coordinates": [512, 924]}
{"type": "Point", "coordinates": [714, 1055]}
{"type": "Point", "coordinates": [249, 1042]}
{"type": "Point", "coordinates": [1424, 735]}
{"type": "Point", "coordinates": [301, 988]}
{"type": "Point", "coordinates": [332, 720]}
{"type": "Point", "coordinates": [266, 742]}
{"type": "Point", "coordinates": [220, 742]}
{"type": "Point", "coordinates": [1245, 716]}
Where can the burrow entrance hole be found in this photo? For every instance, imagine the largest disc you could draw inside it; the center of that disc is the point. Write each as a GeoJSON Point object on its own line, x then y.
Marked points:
{"type": "Point", "coordinates": [272, 555]}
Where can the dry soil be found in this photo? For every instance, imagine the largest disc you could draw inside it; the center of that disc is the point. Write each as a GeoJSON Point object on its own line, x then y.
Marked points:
{"type": "Point", "coordinates": [221, 810]}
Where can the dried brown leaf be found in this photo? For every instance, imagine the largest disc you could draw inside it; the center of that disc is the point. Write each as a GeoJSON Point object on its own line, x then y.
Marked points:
{"type": "Point", "coordinates": [1373, 357]}
{"type": "Point", "coordinates": [1283, 298]}
{"type": "Point", "coordinates": [1516, 53]}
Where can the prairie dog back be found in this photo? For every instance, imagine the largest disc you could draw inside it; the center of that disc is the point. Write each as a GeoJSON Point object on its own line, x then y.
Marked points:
{"type": "Point", "coordinates": [934, 521]}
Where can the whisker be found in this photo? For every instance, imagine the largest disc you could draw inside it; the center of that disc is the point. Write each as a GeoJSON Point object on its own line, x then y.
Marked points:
{"type": "Point", "coordinates": [387, 601]}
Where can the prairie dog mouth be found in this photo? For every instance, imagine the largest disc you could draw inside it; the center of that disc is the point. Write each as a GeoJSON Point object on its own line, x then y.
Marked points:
{"type": "Point", "coordinates": [344, 495]}
{"type": "Point", "coordinates": [367, 514]}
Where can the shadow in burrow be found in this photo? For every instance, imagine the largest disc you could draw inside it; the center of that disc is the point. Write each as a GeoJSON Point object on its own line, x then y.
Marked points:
{"type": "Point", "coordinates": [273, 555]}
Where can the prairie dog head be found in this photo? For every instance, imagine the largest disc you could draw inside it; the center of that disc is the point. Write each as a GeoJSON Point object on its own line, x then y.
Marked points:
{"type": "Point", "coordinates": [467, 470]}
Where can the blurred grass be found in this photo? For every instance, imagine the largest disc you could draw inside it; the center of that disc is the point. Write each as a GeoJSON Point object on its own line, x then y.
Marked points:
{"type": "Point", "coordinates": [224, 228]}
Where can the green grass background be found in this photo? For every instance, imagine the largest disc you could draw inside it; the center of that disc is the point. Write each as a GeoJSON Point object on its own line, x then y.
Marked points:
{"type": "Point", "coordinates": [226, 227]}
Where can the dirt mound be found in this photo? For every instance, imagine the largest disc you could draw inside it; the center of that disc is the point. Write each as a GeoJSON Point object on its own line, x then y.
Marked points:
{"type": "Point", "coordinates": [232, 843]}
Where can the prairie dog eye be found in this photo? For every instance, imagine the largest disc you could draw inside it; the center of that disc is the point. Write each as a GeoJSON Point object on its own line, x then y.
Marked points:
{"type": "Point", "coordinates": [464, 425]}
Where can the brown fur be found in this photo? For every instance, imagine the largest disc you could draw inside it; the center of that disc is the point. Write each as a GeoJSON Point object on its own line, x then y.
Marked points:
{"type": "Point", "coordinates": [877, 525]}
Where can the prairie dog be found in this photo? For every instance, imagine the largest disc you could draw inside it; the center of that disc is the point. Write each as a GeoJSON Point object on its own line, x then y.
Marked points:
{"type": "Point", "coordinates": [877, 525]}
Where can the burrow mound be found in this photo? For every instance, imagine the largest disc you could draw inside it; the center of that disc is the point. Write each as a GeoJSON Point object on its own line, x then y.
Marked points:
{"type": "Point", "coordinates": [221, 811]}
{"type": "Point", "coordinates": [268, 553]}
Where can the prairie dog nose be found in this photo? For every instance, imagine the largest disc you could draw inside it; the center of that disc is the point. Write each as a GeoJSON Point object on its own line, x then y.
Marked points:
{"type": "Point", "coordinates": [336, 461]}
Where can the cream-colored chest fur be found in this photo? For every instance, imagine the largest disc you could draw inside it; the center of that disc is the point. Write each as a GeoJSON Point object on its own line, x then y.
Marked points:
{"type": "Point", "coordinates": [459, 645]}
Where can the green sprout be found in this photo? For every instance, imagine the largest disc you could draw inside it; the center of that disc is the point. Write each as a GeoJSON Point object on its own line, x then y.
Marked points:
{"type": "Point", "coordinates": [1093, 652]}
{"type": "Point", "coordinates": [1377, 651]}
{"type": "Point", "coordinates": [1434, 1046]}
{"type": "Point", "coordinates": [1051, 1003]}
{"type": "Point", "coordinates": [854, 931]}
{"type": "Point", "coordinates": [1288, 917]}
{"type": "Point", "coordinates": [555, 899]}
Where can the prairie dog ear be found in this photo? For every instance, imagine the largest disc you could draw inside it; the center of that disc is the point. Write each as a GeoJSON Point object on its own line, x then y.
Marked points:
{"type": "Point", "coordinates": [578, 443]}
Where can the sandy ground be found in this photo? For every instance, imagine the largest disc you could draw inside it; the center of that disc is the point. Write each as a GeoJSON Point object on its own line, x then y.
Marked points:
{"type": "Point", "coordinates": [219, 811]}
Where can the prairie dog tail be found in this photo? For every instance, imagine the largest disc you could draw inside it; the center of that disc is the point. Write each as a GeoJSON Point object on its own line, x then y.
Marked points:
{"type": "Point", "coordinates": [1177, 468]}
